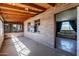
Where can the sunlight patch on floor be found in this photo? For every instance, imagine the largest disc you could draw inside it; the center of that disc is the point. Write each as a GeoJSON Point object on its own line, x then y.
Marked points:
{"type": "Point", "coordinates": [21, 49]}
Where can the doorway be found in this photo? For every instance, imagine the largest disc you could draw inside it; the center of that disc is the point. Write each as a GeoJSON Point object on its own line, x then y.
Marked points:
{"type": "Point", "coordinates": [66, 31]}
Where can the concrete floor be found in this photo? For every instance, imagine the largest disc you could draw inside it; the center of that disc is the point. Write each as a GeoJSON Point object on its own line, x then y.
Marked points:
{"type": "Point", "coordinates": [22, 46]}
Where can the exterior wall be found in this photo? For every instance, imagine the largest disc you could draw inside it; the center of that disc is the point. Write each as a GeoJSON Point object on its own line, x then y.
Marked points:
{"type": "Point", "coordinates": [78, 30]}
{"type": "Point", "coordinates": [1, 33]}
{"type": "Point", "coordinates": [67, 15]}
{"type": "Point", "coordinates": [47, 25]}
{"type": "Point", "coordinates": [46, 29]}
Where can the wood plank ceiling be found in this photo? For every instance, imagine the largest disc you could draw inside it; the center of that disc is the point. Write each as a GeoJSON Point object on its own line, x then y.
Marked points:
{"type": "Point", "coordinates": [19, 12]}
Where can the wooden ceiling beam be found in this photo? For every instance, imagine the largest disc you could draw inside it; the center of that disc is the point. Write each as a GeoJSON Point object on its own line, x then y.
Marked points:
{"type": "Point", "coordinates": [35, 11]}
{"type": "Point", "coordinates": [18, 21]}
{"type": "Point", "coordinates": [20, 10]}
{"type": "Point", "coordinates": [18, 16]}
{"type": "Point", "coordinates": [30, 8]}
{"type": "Point", "coordinates": [34, 5]}
{"type": "Point", "coordinates": [14, 13]}
{"type": "Point", "coordinates": [16, 6]}
{"type": "Point", "coordinates": [52, 4]}
{"type": "Point", "coordinates": [15, 18]}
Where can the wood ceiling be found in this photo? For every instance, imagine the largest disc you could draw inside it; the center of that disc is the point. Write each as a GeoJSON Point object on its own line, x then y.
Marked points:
{"type": "Point", "coordinates": [19, 12]}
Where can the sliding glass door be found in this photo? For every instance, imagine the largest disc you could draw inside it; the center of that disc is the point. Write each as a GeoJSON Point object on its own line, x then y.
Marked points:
{"type": "Point", "coordinates": [66, 36]}
{"type": "Point", "coordinates": [66, 31]}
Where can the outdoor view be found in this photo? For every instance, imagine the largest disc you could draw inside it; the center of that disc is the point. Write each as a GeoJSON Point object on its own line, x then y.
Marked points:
{"type": "Point", "coordinates": [67, 31]}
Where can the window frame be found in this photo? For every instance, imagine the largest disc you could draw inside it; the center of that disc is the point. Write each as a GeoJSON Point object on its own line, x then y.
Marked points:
{"type": "Point", "coordinates": [36, 24]}
{"type": "Point", "coordinates": [64, 22]}
{"type": "Point", "coordinates": [61, 30]}
{"type": "Point", "coordinates": [11, 24]}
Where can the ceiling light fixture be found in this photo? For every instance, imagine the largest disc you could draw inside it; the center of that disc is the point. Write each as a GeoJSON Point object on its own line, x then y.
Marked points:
{"type": "Point", "coordinates": [27, 9]}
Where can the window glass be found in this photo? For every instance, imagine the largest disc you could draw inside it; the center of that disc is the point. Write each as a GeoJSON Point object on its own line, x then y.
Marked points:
{"type": "Point", "coordinates": [66, 31]}
{"type": "Point", "coordinates": [16, 27]}
{"type": "Point", "coordinates": [37, 25]}
{"type": "Point", "coordinates": [7, 28]}
{"type": "Point", "coordinates": [13, 27]}
{"type": "Point", "coordinates": [34, 27]}
{"type": "Point", "coordinates": [66, 26]}
{"type": "Point", "coordinates": [29, 25]}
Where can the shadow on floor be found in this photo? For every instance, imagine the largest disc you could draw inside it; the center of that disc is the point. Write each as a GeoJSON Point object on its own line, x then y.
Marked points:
{"type": "Point", "coordinates": [22, 46]}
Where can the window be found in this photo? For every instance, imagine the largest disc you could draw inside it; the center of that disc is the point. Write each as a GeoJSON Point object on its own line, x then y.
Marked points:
{"type": "Point", "coordinates": [29, 25]}
{"type": "Point", "coordinates": [66, 31]}
{"type": "Point", "coordinates": [16, 28]}
{"type": "Point", "coordinates": [66, 26]}
{"type": "Point", "coordinates": [36, 26]}
{"type": "Point", "coordinates": [7, 28]}
{"type": "Point", "coordinates": [33, 27]}
{"type": "Point", "coordinates": [10, 27]}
